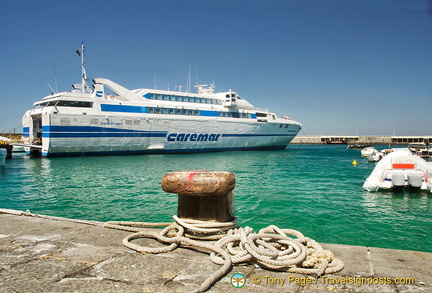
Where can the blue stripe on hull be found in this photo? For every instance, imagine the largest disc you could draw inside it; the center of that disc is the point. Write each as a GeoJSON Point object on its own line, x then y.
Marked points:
{"type": "Point", "coordinates": [105, 134]}
{"type": "Point", "coordinates": [57, 128]}
{"type": "Point", "coordinates": [159, 151]}
{"type": "Point", "coordinates": [256, 134]}
{"type": "Point", "coordinates": [96, 131]}
{"type": "Point", "coordinates": [124, 108]}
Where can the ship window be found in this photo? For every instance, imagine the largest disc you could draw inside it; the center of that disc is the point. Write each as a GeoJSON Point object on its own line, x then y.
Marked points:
{"type": "Point", "coordinates": [128, 122]}
{"type": "Point", "coordinates": [233, 95]}
{"type": "Point", "coordinates": [286, 125]}
{"type": "Point", "coordinates": [261, 115]}
{"type": "Point", "coordinates": [65, 121]}
{"type": "Point", "coordinates": [136, 122]}
{"type": "Point", "coordinates": [158, 110]}
{"type": "Point", "coordinates": [74, 104]}
{"type": "Point", "coordinates": [170, 111]}
{"type": "Point", "coordinates": [94, 121]}
{"type": "Point", "coordinates": [280, 126]}
{"type": "Point", "coordinates": [39, 105]}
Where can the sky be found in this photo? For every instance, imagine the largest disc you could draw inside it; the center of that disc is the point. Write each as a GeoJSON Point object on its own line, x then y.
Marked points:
{"type": "Point", "coordinates": [340, 67]}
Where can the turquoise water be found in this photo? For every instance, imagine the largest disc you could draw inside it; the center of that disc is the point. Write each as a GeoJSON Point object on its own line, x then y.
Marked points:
{"type": "Point", "coordinates": [311, 188]}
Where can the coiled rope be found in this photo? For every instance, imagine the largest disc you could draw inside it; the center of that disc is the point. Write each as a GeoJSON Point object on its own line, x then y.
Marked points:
{"type": "Point", "coordinates": [272, 248]}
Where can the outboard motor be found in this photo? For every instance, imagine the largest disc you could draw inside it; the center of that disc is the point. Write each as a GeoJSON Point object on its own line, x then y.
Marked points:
{"type": "Point", "coordinates": [415, 179]}
{"type": "Point", "coordinates": [398, 180]}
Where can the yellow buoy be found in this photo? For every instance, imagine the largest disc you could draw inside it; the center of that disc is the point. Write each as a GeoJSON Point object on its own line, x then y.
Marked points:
{"type": "Point", "coordinates": [354, 163]}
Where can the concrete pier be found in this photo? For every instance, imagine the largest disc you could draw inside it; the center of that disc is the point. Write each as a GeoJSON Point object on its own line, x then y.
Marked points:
{"type": "Point", "coordinates": [62, 255]}
{"type": "Point", "coordinates": [363, 139]}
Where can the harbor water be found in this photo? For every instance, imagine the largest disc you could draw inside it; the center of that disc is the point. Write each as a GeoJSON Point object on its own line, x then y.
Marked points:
{"type": "Point", "coordinates": [311, 188]}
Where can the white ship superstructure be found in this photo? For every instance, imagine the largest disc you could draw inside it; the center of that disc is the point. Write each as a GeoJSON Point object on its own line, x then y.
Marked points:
{"type": "Point", "coordinates": [110, 119]}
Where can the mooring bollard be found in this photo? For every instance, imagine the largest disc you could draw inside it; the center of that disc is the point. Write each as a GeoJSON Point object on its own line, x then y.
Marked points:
{"type": "Point", "coordinates": [202, 195]}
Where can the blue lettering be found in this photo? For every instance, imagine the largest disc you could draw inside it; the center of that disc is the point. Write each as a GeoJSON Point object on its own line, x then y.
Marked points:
{"type": "Point", "coordinates": [171, 137]}
{"type": "Point", "coordinates": [202, 137]}
{"type": "Point", "coordinates": [180, 137]}
{"type": "Point", "coordinates": [193, 137]}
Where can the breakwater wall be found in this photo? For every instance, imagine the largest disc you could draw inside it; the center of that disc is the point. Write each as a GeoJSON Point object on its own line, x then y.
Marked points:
{"type": "Point", "coordinates": [347, 139]}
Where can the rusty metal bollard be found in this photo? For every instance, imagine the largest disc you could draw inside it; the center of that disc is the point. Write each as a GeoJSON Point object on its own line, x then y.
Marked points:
{"type": "Point", "coordinates": [202, 195]}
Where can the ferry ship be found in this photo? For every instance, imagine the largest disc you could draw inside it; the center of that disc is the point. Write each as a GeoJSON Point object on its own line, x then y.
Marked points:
{"type": "Point", "coordinates": [107, 118]}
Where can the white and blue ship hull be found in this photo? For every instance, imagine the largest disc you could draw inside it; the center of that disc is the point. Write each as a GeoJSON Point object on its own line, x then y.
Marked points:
{"type": "Point", "coordinates": [156, 135]}
{"type": "Point", "coordinates": [110, 119]}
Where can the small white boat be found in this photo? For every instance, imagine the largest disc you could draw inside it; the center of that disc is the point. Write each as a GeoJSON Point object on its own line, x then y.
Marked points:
{"type": "Point", "coordinates": [375, 156]}
{"type": "Point", "coordinates": [367, 151]}
{"type": "Point", "coordinates": [400, 169]}
{"type": "Point", "coordinates": [420, 149]}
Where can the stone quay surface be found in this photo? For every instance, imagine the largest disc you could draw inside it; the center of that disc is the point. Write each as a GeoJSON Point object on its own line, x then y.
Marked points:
{"type": "Point", "coordinates": [39, 254]}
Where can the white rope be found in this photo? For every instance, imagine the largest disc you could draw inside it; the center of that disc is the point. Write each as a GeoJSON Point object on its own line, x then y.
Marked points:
{"type": "Point", "coordinates": [271, 247]}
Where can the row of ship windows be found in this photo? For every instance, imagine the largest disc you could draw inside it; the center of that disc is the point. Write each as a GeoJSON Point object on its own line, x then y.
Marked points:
{"type": "Point", "coordinates": [196, 112]}
{"type": "Point", "coordinates": [66, 121]}
{"type": "Point", "coordinates": [78, 104]}
{"type": "Point", "coordinates": [185, 99]}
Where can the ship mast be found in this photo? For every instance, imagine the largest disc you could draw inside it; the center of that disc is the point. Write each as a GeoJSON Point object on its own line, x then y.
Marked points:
{"type": "Point", "coordinates": [83, 71]}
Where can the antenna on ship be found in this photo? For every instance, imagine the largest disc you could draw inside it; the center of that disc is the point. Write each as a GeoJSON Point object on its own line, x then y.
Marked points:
{"type": "Point", "coordinates": [189, 78]}
{"type": "Point", "coordinates": [154, 82]}
{"type": "Point", "coordinates": [80, 52]}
